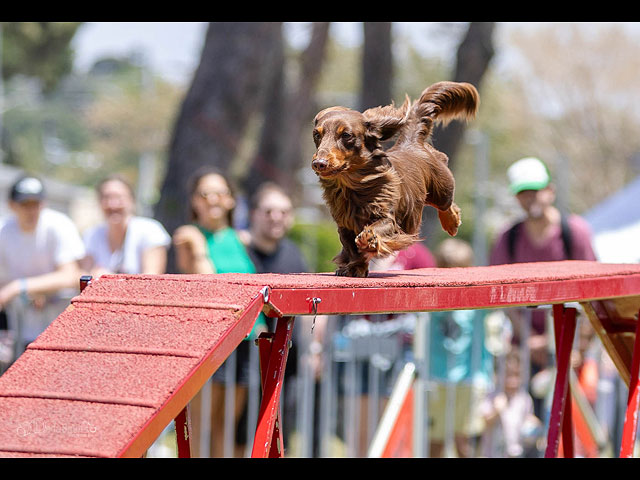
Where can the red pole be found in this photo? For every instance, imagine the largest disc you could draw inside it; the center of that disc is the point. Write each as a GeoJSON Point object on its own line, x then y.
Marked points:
{"type": "Point", "coordinates": [630, 428]}
{"type": "Point", "coordinates": [269, 428]}
{"type": "Point", "coordinates": [183, 433]}
{"type": "Point", "coordinates": [265, 344]}
{"type": "Point", "coordinates": [560, 420]}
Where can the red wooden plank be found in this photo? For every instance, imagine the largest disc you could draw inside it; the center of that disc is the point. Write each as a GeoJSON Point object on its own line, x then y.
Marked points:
{"type": "Point", "coordinates": [95, 377]}
{"type": "Point", "coordinates": [58, 427]}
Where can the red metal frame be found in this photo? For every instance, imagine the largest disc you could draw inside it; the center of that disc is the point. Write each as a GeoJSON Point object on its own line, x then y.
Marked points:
{"type": "Point", "coordinates": [345, 301]}
{"type": "Point", "coordinates": [560, 421]}
{"type": "Point", "coordinates": [631, 418]}
{"type": "Point", "coordinates": [560, 437]}
{"type": "Point", "coordinates": [299, 301]}
{"type": "Point", "coordinates": [274, 351]}
{"type": "Point", "coordinates": [268, 440]}
{"type": "Point", "coordinates": [609, 294]}
{"type": "Point", "coordinates": [183, 433]}
{"type": "Point", "coordinates": [265, 343]}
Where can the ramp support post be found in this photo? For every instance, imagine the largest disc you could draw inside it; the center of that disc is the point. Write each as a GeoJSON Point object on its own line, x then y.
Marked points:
{"type": "Point", "coordinates": [560, 422]}
{"type": "Point", "coordinates": [274, 349]}
{"type": "Point", "coordinates": [183, 432]}
{"type": "Point", "coordinates": [630, 428]}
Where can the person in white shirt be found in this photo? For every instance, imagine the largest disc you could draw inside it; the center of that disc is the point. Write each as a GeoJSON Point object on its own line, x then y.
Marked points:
{"type": "Point", "coordinates": [124, 242]}
{"type": "Point", "coordinates": [39, 253]}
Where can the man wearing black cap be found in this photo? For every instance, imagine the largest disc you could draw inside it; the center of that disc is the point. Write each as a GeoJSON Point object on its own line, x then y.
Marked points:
{"type": "Point", "coordinates": [39, 253]}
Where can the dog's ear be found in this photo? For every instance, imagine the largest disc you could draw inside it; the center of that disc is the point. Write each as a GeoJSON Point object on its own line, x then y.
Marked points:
{"type": "Point", "coordinates": [383, 122]}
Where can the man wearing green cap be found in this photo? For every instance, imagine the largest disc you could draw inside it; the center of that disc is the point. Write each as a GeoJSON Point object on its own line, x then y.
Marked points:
{"type": "Point", "coordinates": [544, 235]}
{"type": "Point", "coordinates": [539, 237]}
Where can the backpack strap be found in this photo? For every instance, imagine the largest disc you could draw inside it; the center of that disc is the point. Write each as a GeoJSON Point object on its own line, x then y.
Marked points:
{"type": "Point", "coordinates": [564, 229]}
{"type": "Point", "coordinates": [566, 237]}
{"type": "Point", "coordinates": [511, 239]}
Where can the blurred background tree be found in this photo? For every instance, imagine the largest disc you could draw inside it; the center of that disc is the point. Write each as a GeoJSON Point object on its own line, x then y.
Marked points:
{"type": "Point", "coordinates": [229, 85]}
{"type": "Point", "coordinates": [377, 65]}
{"type": "Point", "coordinates": [38, 49]}
{"type": "Point", "coordinates": [78, 128]}
{"type": "Point", "coordinates": [586, 88]}
{"type": "Point", "coordinates": [129, 122]}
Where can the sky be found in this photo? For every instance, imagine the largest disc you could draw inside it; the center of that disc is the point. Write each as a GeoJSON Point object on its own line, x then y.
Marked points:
{"type": "Point", "coordinates": [172, 49]}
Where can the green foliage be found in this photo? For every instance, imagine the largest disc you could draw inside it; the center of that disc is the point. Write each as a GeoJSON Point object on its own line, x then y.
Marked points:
{"type": "Point", "coordinates": [319, 243]}
{"type": "Point", "coordinates": [27, 130]}
{"type": "Point", "coordinates": [130, 115]}
{"type": "Point", "coordinates": [339, 81]}
{"type": "Point", "coordinates": [89, 125]}
{"type": "Point", "coordinates": [413, 72]}
{"type": "Point", "coordinates": [38, 49]}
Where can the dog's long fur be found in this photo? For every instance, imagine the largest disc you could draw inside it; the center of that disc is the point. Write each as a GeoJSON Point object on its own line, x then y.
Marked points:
{"type": "Point", "coordinates": [376, 197]}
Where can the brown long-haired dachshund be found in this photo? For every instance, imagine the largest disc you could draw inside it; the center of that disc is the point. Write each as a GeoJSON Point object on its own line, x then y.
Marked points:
{"type": "Point", "coordinates": [375, 196]}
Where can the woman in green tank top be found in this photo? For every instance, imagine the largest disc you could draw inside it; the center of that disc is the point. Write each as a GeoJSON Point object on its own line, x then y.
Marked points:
{"type": "Point", "coordinates": [209, 244]}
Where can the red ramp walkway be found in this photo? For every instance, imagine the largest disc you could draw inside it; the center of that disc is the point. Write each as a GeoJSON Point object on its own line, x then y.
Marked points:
{"type": "Point", "coordinates": [131, 351]}
{"type": "Point", "coordinates": [120, 363]}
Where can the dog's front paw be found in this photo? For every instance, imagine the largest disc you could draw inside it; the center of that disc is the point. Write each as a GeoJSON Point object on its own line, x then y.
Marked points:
{"type": "Point", "coordinates": [367, 240]}
{"type": "Point", "coordinates": [353, 270]}
{"type": "Point", "coordinates": [342, 271]}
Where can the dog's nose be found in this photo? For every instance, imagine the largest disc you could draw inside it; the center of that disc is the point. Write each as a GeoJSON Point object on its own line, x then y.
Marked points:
{"type": "Point", "coordinates": [319, 164]}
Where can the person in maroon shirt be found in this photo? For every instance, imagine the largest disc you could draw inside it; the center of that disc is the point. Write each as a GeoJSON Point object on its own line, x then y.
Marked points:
{"type": "Point", "coordinates": [544, 235]}
{"type": "Point", "coordinates": [539, 237]}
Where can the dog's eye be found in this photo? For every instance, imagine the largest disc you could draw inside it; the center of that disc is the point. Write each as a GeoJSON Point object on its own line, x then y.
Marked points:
{"type": "Point", "coordinates": [346, 136]}
{"type": "Point", "coordinates": [316, 136]}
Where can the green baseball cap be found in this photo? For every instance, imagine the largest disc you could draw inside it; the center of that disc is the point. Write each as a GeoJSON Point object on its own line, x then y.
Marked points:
{"type": "Point", "coordinates": [528, 173]}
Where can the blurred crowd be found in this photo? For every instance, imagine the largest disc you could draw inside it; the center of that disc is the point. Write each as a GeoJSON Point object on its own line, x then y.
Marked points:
{"type": "Point", "coordinates": [490, 373]}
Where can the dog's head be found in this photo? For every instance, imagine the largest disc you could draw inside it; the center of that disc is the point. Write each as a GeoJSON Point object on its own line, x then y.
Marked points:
{"type": "Point", "coordinates": [345, 139]}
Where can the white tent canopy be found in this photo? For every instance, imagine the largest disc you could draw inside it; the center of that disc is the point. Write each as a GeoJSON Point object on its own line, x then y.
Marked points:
{"type": "Point", "coordinates": [616, 226]}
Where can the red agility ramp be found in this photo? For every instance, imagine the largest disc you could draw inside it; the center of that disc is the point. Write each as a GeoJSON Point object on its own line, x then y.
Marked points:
{"type": "Point", "coordinates": [129, 353]}
{"type": "Point", "coordinates": [120, 363]}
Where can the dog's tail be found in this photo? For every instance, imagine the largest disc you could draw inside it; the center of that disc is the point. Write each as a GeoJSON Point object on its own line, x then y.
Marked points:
{"type": "Point", "coordinates": [443, 102]}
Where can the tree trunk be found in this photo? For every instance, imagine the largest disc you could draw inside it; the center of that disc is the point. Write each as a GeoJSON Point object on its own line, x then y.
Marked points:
{"type": "Point", "coordinates": [287, 118]}
{"type": "Point", "coordinates": [472, 60]}
{"type": "Point", "coordinates": [377, 65]}
{"type": "Point", "coordinates": [228, 86]}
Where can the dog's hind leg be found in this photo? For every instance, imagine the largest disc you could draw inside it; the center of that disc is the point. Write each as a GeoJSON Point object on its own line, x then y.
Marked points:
{"type": "Point", "coordinates": [450, 219]}
{"type": "Point", "coordinates": [441, 189]}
